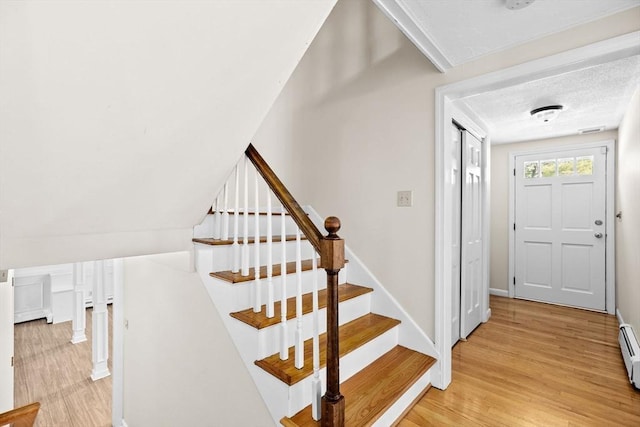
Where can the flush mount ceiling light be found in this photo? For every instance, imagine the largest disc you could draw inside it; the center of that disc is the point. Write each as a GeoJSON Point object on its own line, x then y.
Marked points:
{"type": "Point", "coordinates": [518, 4]}
{"type": "Point", "coordinates": [546, 114]}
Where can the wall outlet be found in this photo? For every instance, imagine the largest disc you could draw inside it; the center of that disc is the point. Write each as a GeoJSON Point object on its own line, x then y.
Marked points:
{"type": "Point", "coordinates": [405, 199]}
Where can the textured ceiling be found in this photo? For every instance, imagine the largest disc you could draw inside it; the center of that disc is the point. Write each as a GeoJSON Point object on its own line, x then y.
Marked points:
{"type": "Point", "coordinates": [592, 97]}
{"type": "Point", "coordinates": [452, 32]}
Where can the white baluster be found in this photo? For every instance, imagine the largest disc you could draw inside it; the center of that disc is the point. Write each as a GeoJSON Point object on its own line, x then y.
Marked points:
{"type": "Point", "coordinates": [284, 345]}
{"type": "Point", "coordinates": [270, 302]}
{"type": "Point", "coordinates": [217, 221]}
{"type": "Point", "coordinates": [100, 324]}
{"type": "Point", "coordinates": [299, 361]}
{"type": "Point", "coordinates": [79, 319]}
{"type": "Point", "coordinates": [235, 247]}
{"type": "Point", "coordinates": [224, 234]}
{"type": "Point", "coordinates": [257, 305]}
{"type": "Point", "coordinates": [316, 384]}
{"type": "Point", "coordinates": [245, 220]}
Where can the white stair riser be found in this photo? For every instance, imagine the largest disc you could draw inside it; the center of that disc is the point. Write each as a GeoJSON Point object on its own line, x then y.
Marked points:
{"type": "Point", "coordinates": [350, 364]}
{"type": "Point", "coordinates": [206, 229]}
{"type": "Point", "coordinates": [269, 338]}
{"type": "Point", "coordinates": [221, 256]}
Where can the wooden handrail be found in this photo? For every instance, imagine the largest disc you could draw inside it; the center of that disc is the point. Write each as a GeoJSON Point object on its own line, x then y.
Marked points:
{"type": "Point", "coordinates": [307, 227]}
{"type": "Point", "coordinates": [331, 250]}
{"type": "Point", "coordinates": [24, 416]}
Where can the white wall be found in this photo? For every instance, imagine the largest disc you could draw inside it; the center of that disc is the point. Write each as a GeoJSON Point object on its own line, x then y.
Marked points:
{"type": "Point", "coordinates": [6, 343]}
{"type": "Point", "coordinates": [121, 119]}
{"type": "Point", "coordinates": [500, 178]}
{"type": "Point", "coordinates": [180, 366]}
{"type": "Point", "coordinates": [628, 228]}
{"type": "Point", "coordinates": [358, 114]}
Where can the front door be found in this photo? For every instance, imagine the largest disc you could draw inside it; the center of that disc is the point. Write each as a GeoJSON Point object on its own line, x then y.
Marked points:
{"type": "Point", "coordinates": [560, 227]}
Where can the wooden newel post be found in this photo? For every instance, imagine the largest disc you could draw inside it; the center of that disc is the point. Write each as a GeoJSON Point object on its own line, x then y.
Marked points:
{"type": "Point", "coordinates": [332, 260]}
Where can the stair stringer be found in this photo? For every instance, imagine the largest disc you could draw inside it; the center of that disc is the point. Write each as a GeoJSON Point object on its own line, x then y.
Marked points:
{"type": "Point", "coordinates": [382, 302]}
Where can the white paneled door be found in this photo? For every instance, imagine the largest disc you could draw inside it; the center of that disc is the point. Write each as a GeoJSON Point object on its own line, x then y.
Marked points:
{"type": "Point", "coordinates": [471, 240]}
{"type": "Point", "coordinates": [456, 191]}
{"type": "Point", "coordinates": [560, 227]}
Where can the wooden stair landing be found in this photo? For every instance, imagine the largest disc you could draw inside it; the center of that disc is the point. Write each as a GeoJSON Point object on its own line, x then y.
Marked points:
{"type": "Point", "coordinates": [370, 392]}
{"type": "Point", "coordinates": [260, 320]}
{"type": "Point", "coordinates": [352, 335]}
{"type": "Point", "coordinates": [251, 240]}
{"type": "Point", "coordinates": [231, 277]}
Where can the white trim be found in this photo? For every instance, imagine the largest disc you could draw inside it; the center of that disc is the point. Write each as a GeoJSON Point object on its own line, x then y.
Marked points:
{"type": "Point", "coordinates": [117, 407]}
{"type": "Point", "coordinates": [597, 53]}
{"type": "Point", "coordinates": [619, 316]}
{"type": "Point", "coordinates": [498, 292]}
{"type": "Point", "coordinates": [487, 315]}
{"type": "Point", "coordinates": [446, 112]}
{"type": "Point", "coordinates": [407, 24]}
{"type": "Point", "coordinates": [610, 254]}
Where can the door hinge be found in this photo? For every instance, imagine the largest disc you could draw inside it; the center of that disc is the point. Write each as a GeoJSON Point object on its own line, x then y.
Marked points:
{"type": "Point", "coordinates": [514, 280]}
{"type": "Point", "coordinates": [514, 172]}
{"type": "Point", "coordinates": [514, 225]}
{"type": "Point", "coordinates": [12, 361]}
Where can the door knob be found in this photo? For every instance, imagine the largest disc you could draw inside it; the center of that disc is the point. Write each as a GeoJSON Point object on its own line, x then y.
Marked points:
{"type": "Point", "coordinates": [598, 235]}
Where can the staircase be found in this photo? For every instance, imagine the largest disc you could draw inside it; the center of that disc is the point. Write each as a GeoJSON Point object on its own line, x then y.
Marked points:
{"type": "Point", "coordinates": [384, 359]}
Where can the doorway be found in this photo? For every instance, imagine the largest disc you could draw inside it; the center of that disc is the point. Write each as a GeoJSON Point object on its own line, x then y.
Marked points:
{"type": "Point", "coordinates": [561, 240]}
{"type": "Point", "coordinates": [467, 248]}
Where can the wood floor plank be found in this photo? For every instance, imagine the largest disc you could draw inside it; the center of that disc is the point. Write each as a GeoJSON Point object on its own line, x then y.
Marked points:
{"type": "Point", "coordinates": [51, 370]}
{"type": "Point", "coordinates": [260, 320]}
{"type": "Point", "coordinates": [352, 335]}
{"type": "Point", "coordinates": [370, 392]}
{"type": "Point", "coordinates": [535, 364]}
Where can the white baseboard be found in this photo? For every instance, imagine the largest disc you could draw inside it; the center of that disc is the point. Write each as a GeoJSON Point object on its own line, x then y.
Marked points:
{"type": "Point", "coordinates": [619, 316]}
{"type": "Point", "coordinates": [499, 292]}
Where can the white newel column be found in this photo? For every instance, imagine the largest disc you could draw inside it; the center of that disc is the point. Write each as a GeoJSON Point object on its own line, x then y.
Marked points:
{"type": "Point", "coordinates": [79, 319]}
{"type": "Point", "coordinates": [100, 324]}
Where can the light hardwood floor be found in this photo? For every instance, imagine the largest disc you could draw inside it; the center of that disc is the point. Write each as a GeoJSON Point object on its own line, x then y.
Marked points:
{"type": "Point", "coordinates": [51, 370]}
{"type": "Point", "coordinates": [535, 364]}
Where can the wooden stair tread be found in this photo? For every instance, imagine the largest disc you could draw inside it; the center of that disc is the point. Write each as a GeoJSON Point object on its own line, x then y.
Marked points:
{"type": "Point", "coordinates": [239, 278]}
{"type": "Point", "coordinates": [370, 392]}
{"type": "Point", "coordinates": [251, 240]}
{"type": "Point", "coordinates": [352, 335]}
{"type": "Point", "coordinates": [260, 320]}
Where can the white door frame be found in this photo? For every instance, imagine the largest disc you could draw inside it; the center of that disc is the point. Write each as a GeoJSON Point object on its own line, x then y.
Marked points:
{"type": "Point", "coordinates": [610, 244]}
{"type": "Point", "coordinates": [597, 53]}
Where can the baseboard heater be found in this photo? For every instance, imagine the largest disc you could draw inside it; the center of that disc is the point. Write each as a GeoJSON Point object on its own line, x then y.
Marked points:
{"type": "Point", "coordinates": [630, 353]}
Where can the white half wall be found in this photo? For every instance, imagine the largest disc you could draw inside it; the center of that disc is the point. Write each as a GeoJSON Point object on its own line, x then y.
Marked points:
{"type": "Point", "coordinates": [121, 119]}
{"type": "Point", "coordinates": [180, 366]}
{"type": "Point", "coordinates": [628, 227]}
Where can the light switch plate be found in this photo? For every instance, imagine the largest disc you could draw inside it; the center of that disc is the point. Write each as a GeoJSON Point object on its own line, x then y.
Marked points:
{"type": "Point", "coordinates": [4, 275]}
{"type": "Point", "coordinates": [405, 199]}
